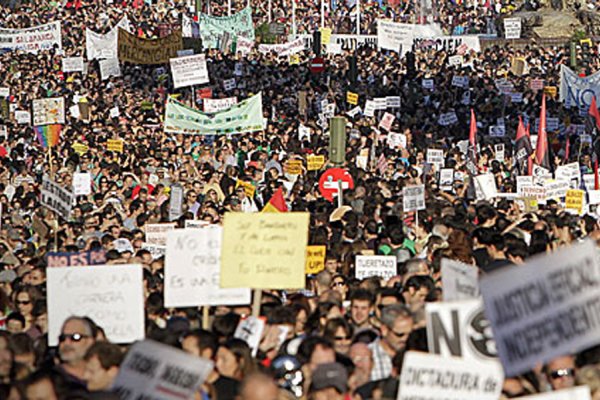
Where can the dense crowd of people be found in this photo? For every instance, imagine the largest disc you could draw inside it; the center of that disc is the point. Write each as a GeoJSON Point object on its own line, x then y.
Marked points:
{"type": "Point", "coordinates": [345, 337]}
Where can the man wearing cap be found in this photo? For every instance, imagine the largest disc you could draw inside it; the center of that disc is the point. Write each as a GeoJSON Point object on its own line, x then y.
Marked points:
{"type": "Point", "coordinates": [329, 382]}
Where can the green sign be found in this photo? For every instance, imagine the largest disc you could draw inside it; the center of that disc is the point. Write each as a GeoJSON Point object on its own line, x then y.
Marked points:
{"type": "Point", "coordinates": [243, 117]}
{"type": "Point", "coordinates": [213, 28]}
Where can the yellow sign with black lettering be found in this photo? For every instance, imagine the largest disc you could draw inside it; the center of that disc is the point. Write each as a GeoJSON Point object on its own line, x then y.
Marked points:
{"type": "Point", "coordinates": [315, 259]}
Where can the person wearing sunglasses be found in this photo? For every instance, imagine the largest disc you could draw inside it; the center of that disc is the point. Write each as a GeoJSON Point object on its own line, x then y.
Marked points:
{"type": "Point", "coordinates": [76, 337]}
{"type": "Point", "coordinates": [561, 372]}
{"type": "Point", "coordinates": [397, 324]}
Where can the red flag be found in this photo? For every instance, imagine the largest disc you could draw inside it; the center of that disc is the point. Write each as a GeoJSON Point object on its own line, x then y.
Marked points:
{"type": "Point", "coordinates": [529, 159]}
{"type": "Point", "coordinates": [137, 3]}
{"type": "Point", "coordinates": [568, 148]}
{"type": "Point", "coordinates": [542, 156]}
{"type": "Point", "coordinates": [523, 149]}
{"type": "Point", "coordinates": [276, 203]}
{"type": "Point", "coordinates": [593, 111]}
{"type": "Point", "coordinates": [473, 135]}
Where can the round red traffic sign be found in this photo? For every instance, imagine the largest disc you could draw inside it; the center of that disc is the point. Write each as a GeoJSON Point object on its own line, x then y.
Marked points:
{"type": "Point", "coordinates": [328, 183]}
{"type": "Point", "coordinates": [317, 65]}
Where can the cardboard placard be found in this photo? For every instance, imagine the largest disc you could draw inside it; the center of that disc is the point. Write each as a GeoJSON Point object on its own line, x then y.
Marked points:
{"type": "Point", "coordinates": [115, 145]}
{"type": "Point", "coordinates": [193, 269]}
{"type": "Point", "coordinates": [433, 377]}
{"type": "Point", "coordinates": [526, 306]}
{"type": "Point", "coordinates": [352, 98]}
{"type": "Point", "coordinates": [264, 250]}
{"type": "Point", "coordinates": [293, 167]}
{"type": "Point", "coordinates": [459, 280]}
{"type": "Point", "coordinates": [460, 329]}
{"type": "Point", "coordinates": [111, 295]}
{"type": "Point", "coordinates": [413, 198]}
{"type": "Point", "coordinates": [382, 266]}
{"type": "Point", "coordinates": [315, 163]}
{"type": "Point", "coordinates": [155, 370]}
{"type": "Point", "coordinates": [157, 233]}
{"type": "Point", "coordinates": [315, 259]}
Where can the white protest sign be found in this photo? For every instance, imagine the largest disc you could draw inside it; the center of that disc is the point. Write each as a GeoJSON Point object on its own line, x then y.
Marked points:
{"type": "Point", "coordinates": [545, 309]}
{"type": "Point", "coordinates": [396, 140]}
{"type": "Point", "coordinates": [284, 49]}
{"type": "Point", "coordinates": [189, 70]}
{"type": "Point", "coordinates": [157, 233]}
{"type": "Point", "coordinates": [155, 370]}
{"type": "Point", "coordinates": [250, 331]}
{"type": "Point", "coordinates": [49, 111]}
{"type": "Point", "coordinates": [448, 118]}
{"type": "Point", "coordinates": [455, 61]}
{"type": "Point", "coordinates": [460, 329]}
{"type": "Point", "coordinates": [114, 112]}
{"type": "Point", "coordinates": [56, 198]}
{"type": "Point", "coordinates": [82, 183]}
{"type": "Point", "coordinates": [446, 178]}
{"type": "Point", "coordinates": [413, 198]}
{"type": "Point", "coordinates": [497, 130]}
{"type": "Point", "coordinates": [23, 117]}
{"type": "Point", "coordinates": [369, 108]}
{"type": "Point", "coordinates": [432, 377]}
{"type": "Point", "coordinates": [382, 266]}
{"type": "Point", "coordinates": [193, 268]}
{"type": "Point", "coordinates": [109, 67]}
{"type": "Point", "coordinates": [435, 157]}
{"type": "Point", "coordinates": [392, 102]}
{"type": "Point", "coordinates": [499, 150]}
{"type": "Point", "coordinates": [72, 64]}
{"type": "Point", "coordinates": [216, 105]}
{"type": "Point", "coordinates": [229, 84]}
{"type": "Point", "coordinates": [485, 186]}
{"type": "Point", "coordinates": [459, 280]}
{"type": "Point", "coordinates": [399, 37]}
{"type": "Point", "coordinates": [460, 81]}
{"type": "Point", "coordinates": [428, 84]}
{"type": "Point", "coordinates": [576, 393]}
{"type": "Point", "coordinates": [512, 28]}
{"type": "Point", "coordinates": [380, 103]}
{"type": "Point", "coordinates": [111, 295]}
{"type": "Point", "coordinates": [4, 92]}
{"type": "Point", "coordinates": [155, 250]}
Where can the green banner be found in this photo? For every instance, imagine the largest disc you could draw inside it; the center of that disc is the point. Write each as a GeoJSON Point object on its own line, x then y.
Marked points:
{"type": "Point", "coordinates": [212, 28]}
{"type": "Point", "coordinates": [243, 117]}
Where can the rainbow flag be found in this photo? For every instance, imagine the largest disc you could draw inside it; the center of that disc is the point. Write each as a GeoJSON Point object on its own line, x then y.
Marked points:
{"type": "Point", "coordinates": [48, 135]}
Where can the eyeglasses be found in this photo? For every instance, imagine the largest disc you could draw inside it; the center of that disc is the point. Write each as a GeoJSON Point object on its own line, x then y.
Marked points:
{"type": "Point", "coordinates": [399, 335]}
{"type": "Point", "coordinates": [74, 337]}
{"type": "Point", "coordinates": [337, 284]}
{"type": "Point", "coordinates": [23, 302]}
{"type": "Point", "coordinates": [342, 338]}
{"type": "Point", "coordinates": [562, 373]}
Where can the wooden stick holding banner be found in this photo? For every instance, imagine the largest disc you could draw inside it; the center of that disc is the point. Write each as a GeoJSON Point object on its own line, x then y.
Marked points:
{"type": "Point", "coordinates": [256, 302]}
{"type": "Point", "coordinates": [205, 317]}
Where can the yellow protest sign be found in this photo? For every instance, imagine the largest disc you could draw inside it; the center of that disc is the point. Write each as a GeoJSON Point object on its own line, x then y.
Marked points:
{"type": "Point", "coordinates": [352, 98]}
{"type": "Point", "coordinates": [294, 59]}
{"type": "Point", "coordinates": [315, 259]}
{"type": "Point", "coordinates": [551, 91]}
{"type": "Point", "coordinates": [115, 145]}
{"type": "Point", "coordinates": [148, 51]}
{"type": "Point", "coordinates": [587, 41]}
{"type": "Point", "coordinates": [264, 250]}
{"type": "Point", "coordinates": [574, 200]}
{"type": "Point", "coordinates": [315, 163]}
{"type": "Point", "coordinates": [80, 148]}
{"type": "Point", "coordinates": [249, 188]}
{"type": "Point", "coordinates": [293, 167]}
{"type": "Point", "coordinates": [325, 35]}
